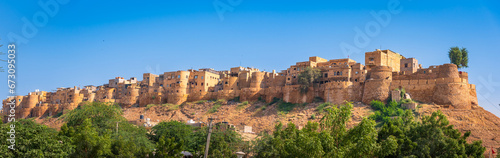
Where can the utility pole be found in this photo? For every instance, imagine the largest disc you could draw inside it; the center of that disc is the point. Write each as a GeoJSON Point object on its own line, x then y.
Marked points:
{"type": "Point", "coordinates": [117, 127]}
{"type": "Point", "coordinates": [208, 137]}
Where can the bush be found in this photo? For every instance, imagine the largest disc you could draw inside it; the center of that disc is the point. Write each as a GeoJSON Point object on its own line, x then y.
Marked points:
{"type": "Point", "coordinates": [275, 100]}
{"type": "Point", "coordinates": [220, 101]}
{"type": "Point", "coordinates": [242, 104]}
{"type": "Point", "coordinates": [286, 106]}
{"type": "Point", "coordinates": [322, 106]}
{"type": "Point", "coordinates": [236, 99]}
{"type": "Point", "coordinates": [318, 99]}
{"type": "Point", "coordinates": [214, 108]}
{"type": "Point", "coordinates": [149, 106]}
{"type": "Point", "coordinates": [377, 105]}
{"type": "Point", "coordinates": [313, 117]}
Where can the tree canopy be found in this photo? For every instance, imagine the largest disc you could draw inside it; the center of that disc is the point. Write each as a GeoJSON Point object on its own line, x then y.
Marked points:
{"type": "Point", "coordinates": [307, 77]}
{"type": "Point", "coordinates": [401, 136]}
{"type": "Point", "coordinates": [459, 57]}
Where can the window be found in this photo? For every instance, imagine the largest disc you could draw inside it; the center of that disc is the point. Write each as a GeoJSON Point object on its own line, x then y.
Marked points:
{"type": "Point", "coordinates": [226, 82]}
{"type": "Point", "coordinates": [288, 78]}
{"type": "Point", "coordinates": [195, 77]}
{"type": "Point", "coordinates": [326, 75]}
{"type": "Point", "coordinates": [161, 85]}
{"type": "Point", "coordinates": [178, 76]}
{"type": "Point", "coordinates": [406, 64]}
{"type": "Point", "coordinates": [357, 72]}
{"type": "Point", "coordinates": [294, 68]}
{"type": "Point", "coordinates": [424, 72]}
{"type": "Point", "coordinates": [201, 77]}
{"type": "Point", "coordinates": [371, 59]}
{"type": "Point", "coordinates": [202, 83]}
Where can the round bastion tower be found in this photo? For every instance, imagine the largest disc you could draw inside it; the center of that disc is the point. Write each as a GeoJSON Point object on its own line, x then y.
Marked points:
{"type": "Point", "coordinates": [377, 85]}
{"type": "Point", "coordinates": [451, 89]}
{"type": "Point", "coordinates": [179, 94]}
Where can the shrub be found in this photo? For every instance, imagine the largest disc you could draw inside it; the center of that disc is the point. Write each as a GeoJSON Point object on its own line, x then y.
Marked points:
{"type": "Point", "coordinates": [403, 92]}
{"type": "Point", "coordinates": [242, 104]}
{"type": "Point", "coordinates": [214, 108]}
{"type": "Point", "coordinates": [313, 117]}
{"type": "Point", "coordinates": [377, 105]}
{"type": "Point", "coordinates": [275, 100]}
{"type": "Point", "coordinates": [58, 114]}
{"type": "Point", "coordinates": [318, 99]}
{"type": "Point", "coordinates": [322, 106]}
{"type": "Point", "coordinates": [220, 101]}
{"type": "Point", "coordinates": [149, 106]}
{"type": "Point", "coordinates": [236, 99]}
{"type": "Point", "coordinates": [286, 106]}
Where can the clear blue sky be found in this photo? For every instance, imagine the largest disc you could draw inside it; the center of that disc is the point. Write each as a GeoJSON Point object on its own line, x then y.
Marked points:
{"type": "Point", "coordinates": [89, 42]}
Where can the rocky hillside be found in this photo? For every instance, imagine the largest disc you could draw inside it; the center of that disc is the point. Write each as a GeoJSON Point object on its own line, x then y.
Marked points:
{"type": "Point", "coordinates": [263, 117]}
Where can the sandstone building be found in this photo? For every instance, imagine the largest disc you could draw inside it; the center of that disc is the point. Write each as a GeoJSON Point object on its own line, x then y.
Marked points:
{"type": "Point", "coordinates": [341, 80]}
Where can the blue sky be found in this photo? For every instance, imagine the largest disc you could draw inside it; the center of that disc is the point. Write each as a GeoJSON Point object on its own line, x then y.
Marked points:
{"type": "Point", "coordinates": [89, 42]}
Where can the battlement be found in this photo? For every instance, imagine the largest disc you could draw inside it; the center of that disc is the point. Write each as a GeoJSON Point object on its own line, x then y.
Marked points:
{"type": "Point", "coordinates": [341, 80]}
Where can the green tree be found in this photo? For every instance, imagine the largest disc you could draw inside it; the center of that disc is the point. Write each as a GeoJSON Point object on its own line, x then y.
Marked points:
{"type": "Point", "coordinates": [128, 141]}
{"type": "Point", "coordinates": [89, 143]}
{"type": "Point", "coordinates": [459, 57]}
{"type": "Point", "coordinates": [307, 77]}
{"type": "Point", "coordinates": [169, 147]}
{"type": "Point", "coordinates": [172, 129]}
{"type": "Point", "coordinates": [223, 143]}
{"type": "Point", "coordinates": [361, 140]}
{"type": "Point", "coordinates": [102, 115]}
{"type": "Point", "coordinates": [33, 140]}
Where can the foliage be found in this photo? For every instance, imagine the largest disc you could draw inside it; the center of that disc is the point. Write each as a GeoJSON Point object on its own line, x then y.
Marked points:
{"type": "Point", "coordinates": [237, 99]}
{"type": "Point", "coordinates": [307, 77]}
{"type": "Point", "coordinates": [498, 152]}
{"type": "Point", "coordinates": [169, 147]}
{"type": "Point", "coordinates": [403, 93]}
{"type": "Point", "coordinates": [384, 112]}
{"type": "Point", "coordinates": [401, 136]}
{"type": "Point", "coordinates": [313, 116]}
{"type": "Point", "coordinates": [220, 101]}
{"type": "Point", "coordinates": [243, 104]}
{"type": "Point", "coordinates": [150, 106]}
{"type": "Point", "coordinates": [100, 124]}
{"type": "Point", "coordinates": [172, 129]}
{"type": "Point", "coordinates": [275, 100]}
{"type": "Point", "coordinates": [168, 105]}
{"type": "Point", "coordinates": [318, 100]}
{"type": "Point", "coordinates": [322, 106]}
{"type": "Point", "coordinates": [223, 143]}
{"type": "Point", "coordinates": [459, 56]}
{"type": "Point", "coordinates": [33, 140]}
{"type": "Point", "coordinates": [89, 143]}
{"type": "Point", "coordinates": [102, 115]}
{"type": "Point", "coordinates": [214, 108]}
{"type": "Point", "coordinates": [286, 106]}
{"type": "Point", "coordinates": [201, 101]}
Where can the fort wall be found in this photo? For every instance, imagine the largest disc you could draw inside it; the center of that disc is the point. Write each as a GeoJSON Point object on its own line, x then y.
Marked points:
{"type": "Point", "coordinates": [341, 80]}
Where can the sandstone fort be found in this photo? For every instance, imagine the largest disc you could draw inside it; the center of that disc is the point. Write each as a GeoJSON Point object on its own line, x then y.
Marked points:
{"type": "Point", "coordinates": [341, 80]}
